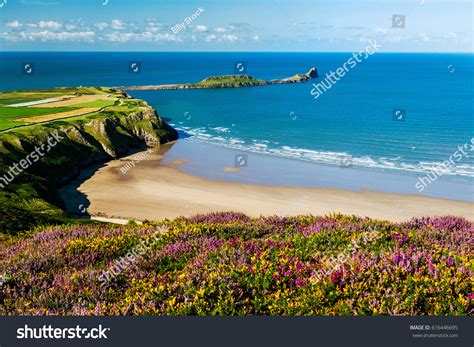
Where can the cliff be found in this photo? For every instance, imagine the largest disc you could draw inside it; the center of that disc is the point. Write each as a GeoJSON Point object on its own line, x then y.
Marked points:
{"type": "Point", "coordinates": [83, 141]}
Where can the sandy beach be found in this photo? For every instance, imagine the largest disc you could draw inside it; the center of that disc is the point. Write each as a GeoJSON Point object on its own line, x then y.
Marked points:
{"type": "Point", "coordinates": [150, 190]}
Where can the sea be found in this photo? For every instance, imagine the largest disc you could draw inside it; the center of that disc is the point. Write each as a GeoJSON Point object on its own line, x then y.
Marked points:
{"type": "Point", "coordinates": [391, 118]}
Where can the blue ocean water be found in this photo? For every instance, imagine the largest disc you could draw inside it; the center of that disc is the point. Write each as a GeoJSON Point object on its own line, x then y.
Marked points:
{"type": "Point", "coordinates": [352, 123]}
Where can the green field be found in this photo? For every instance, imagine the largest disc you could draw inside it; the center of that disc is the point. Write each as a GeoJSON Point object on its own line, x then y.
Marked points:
{"type": "Point", "coordinates": [17, 97]}
{"type": "Point", "coordinates": [98, 103]}
{"type": "Point", "coordinates": [13, 98]}
{"type": "Point", "coordinates": [9, 115]}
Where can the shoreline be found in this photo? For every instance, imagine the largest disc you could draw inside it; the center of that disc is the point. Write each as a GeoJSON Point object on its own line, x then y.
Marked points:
{"type": "Point", "coordinates": [153, 190]}
{"type": "Point", "coordinates": [207, 160]}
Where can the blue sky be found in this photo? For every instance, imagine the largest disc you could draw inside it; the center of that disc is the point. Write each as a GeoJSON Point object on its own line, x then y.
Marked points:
{"type": "Point", "coordinates": [235, 25]}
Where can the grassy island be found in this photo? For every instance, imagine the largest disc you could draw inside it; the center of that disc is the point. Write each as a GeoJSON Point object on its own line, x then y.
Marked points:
{"type": "Point", "coordinates": [229, 81]}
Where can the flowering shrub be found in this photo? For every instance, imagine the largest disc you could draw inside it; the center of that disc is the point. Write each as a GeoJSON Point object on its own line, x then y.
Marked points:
{"type": "Point", "coordinates": [230, 264]}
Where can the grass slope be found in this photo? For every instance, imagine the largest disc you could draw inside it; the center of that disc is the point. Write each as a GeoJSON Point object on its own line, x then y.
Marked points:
{"type": "Point", "coordinates": [16, 116]}
{"type": "Point", "coordinates": [31, 198]}
{"type": "Point", "coordinates": [228, 81]}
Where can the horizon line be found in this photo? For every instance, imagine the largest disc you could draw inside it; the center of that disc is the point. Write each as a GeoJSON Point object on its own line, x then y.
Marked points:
{"type": "Point", "coordinates": [105, 51]}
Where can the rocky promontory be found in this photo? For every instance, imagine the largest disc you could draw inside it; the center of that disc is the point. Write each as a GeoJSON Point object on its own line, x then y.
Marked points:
{"type": "Point", "coordinates": [228, 81]}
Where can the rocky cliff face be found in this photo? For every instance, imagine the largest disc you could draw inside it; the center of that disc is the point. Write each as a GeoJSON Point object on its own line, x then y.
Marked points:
{"type": "Point", "coordinates": [28, 193]}
{"type": "Point", "coordinates": [84, 141]}
{"type": "Point", "coordinates": [312, 73]}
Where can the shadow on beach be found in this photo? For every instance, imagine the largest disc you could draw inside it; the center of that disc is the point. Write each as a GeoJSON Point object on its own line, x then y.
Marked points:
{"type": "Point", "coordinates": [77, 203]}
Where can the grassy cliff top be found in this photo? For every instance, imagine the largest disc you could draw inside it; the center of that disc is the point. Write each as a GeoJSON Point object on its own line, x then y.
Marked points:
{"type": "Point", "coordinates": [20, 108]}
{"type": "Point", "coordinates": [229, 81]}
{"type": "Point", "coordinates": [93, 125]}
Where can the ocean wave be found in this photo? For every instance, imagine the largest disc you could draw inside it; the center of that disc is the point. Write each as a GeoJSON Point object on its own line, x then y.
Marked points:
{"type": "Point", "coordinates": [221, 129]}
{"type": "Point", "coordinates": [326, 157]}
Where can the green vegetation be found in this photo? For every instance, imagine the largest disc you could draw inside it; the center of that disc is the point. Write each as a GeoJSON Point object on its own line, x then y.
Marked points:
{"type": "Point", "coordinates": [228, 81]}
{"type": "Point", "coordinates": [10, 116]}
{"type": "Point", "coordinates": [12, 98]}
{"type": "Point", "coordinates": [98, 103]}
{"type": "Point", "coordinates": [231, 264]}
{"type": "Point", "coordinates": [18, 97]}
{"type": "Point", "coordinates": [9, 123]}
{"type": "Point", "coordinates": [31, 198]}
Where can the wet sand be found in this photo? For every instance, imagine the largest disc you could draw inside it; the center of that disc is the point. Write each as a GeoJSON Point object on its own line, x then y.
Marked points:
{"type": "Point", "coordinates": [153, 191]}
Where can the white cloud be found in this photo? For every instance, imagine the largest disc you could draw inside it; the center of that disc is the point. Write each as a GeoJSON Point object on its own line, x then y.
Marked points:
{"type": "Point", "coordinates": [154, 25]}
{"type": "Point", "coordinates": [201, 28]}
{"type": "Point", "coordinates": [140, 37]}
{"type": "Point", "coordinates": [101, 26]}
{"type": "Point", "coordinates": [14, 24]}
{"type": "Point", "coordinates": [394, 38]}
{"type": "Point", "coordinates": [8, 37]}
{"type": "Point", "coordinates": [210, 38]}
{"type": "Point", "coordinates": [70, 27]}
{"type": "Point", "coordinates": [451, 37]}
{"type": "Point", "coordinates": [220, 30]}
{"type": "Point", "coordinates": [50, 25]}
{"type": "Point", "coordinates": [46, 35]}
{"type": "Point", "coordinates": [256, 38]}
{"type": "Point", "coordinates": [230, 38]}
{"type": "Point", "coordinates": [153, 29]}
{"type": "Point", "coordinates": [423, 37]}
{"type": "Point", "coordinates": [117, 24]}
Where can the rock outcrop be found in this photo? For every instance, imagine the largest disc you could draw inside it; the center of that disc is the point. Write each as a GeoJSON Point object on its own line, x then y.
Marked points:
{"type": "Point", "coordinates": [228, 81]}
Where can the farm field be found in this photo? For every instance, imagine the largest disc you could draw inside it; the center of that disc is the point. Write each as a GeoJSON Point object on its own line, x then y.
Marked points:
{"type": "Point", "coordinates": [11, 98]}
{"type": "Point", "coordinates": [77, 101]}
{"type": "Point", "coordinates": [69, 112]}
{"type": "Point", "coordinates": [84, 101]}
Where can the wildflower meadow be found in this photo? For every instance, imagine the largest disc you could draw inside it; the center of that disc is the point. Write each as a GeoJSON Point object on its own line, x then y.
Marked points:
{"type": "Point", "coordinates": [231, 264]}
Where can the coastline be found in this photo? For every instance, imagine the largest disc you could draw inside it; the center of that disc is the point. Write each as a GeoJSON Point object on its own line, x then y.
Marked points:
{"type": "Point", "coordinates": [156, 189]}
{"type": "Point", "coordinates": [206, 160]}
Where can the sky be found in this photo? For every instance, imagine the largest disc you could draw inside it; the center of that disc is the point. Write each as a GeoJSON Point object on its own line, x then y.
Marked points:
{"type": "Point", "coordinates": [236, 25]}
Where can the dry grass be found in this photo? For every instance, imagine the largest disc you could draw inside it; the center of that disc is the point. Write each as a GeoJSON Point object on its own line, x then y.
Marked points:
{"type": "Point", "coordinates": [53, 116]}
{"type": "Point", "coordinates": [73, 100]}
